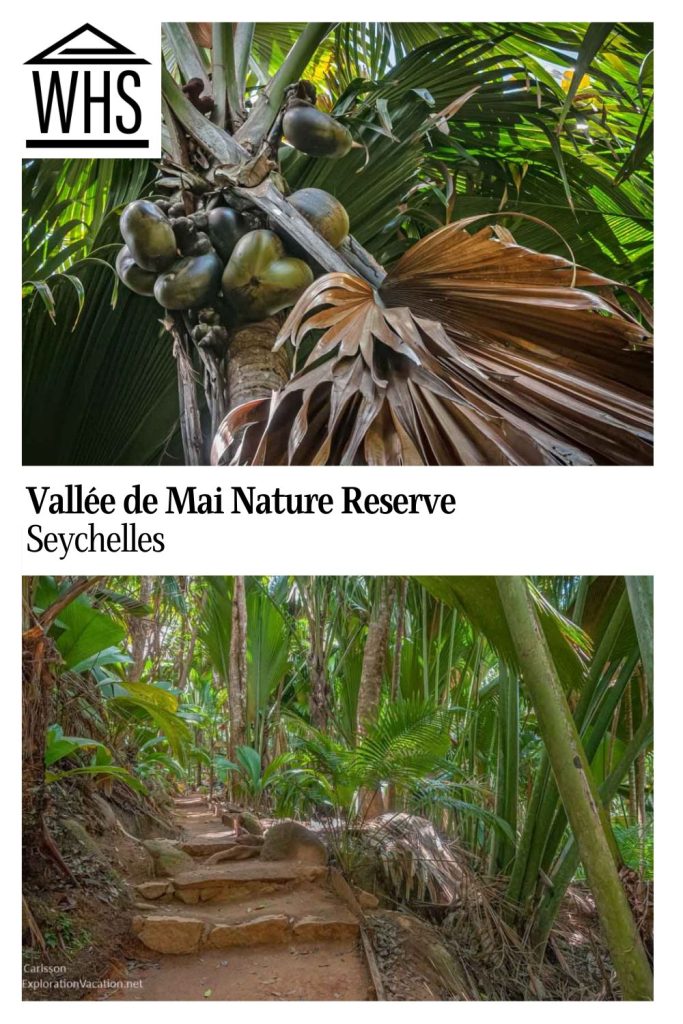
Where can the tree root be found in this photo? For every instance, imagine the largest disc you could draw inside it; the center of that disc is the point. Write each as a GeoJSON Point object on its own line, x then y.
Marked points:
{"type": "Point", "coordinates": [50, 848]}
{"type": "Point", "coordinates": [32, 925]}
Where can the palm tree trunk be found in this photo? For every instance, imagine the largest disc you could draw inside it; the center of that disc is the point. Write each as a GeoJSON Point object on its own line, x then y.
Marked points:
{"type": "Point", "coordinates": [319, 694]}
{"type": "Point", "coordinates": [503, 848]}
{"type": "Point", "coordinates": [398, 644]}
{"type": "Point", "coordinates": [577, 788]}
{"type": "Point", "coordinates": [237, 683]}
{"type": "Point", "coordinates": [369, 692]}
{"type": "Point", "coordinates": [568, 861]}
{"type": "Point", "coordinates": [188, 658]}
{"type": "Point", "coordinates": [198, 742]}
{"type": "Point", "coordinates": [139, 628]}
{"type": "Point", "coordinates": [640, 776]}
{"type": "Point", "coordinates": [254, 370]}
{"type": "Point", "coordinates": [374, 655]}
{"type": "Point", "coordinates": [315, 601]}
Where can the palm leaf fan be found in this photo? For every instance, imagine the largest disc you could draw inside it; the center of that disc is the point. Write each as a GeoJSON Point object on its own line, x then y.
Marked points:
{"type": "Point", "coordinates": [474, 350]}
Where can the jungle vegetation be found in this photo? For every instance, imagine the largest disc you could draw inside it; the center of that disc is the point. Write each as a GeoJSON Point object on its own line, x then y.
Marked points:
{"type": "Point", "coordinates": [491, 304]}
{"type": "Point", "coordinates": [514, 714]}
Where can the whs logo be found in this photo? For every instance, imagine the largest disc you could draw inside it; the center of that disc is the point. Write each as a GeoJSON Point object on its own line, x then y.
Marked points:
{"type": "Point", "coordinates": [92, 93]}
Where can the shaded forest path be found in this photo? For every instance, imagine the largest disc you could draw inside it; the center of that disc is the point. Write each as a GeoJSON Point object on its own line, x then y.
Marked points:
{"type": "Point", "coordinates": [243, 930]}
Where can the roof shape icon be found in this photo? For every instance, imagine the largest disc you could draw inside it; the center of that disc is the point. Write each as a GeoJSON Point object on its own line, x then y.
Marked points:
{"type": "Point", "coordinates": [90, 46]}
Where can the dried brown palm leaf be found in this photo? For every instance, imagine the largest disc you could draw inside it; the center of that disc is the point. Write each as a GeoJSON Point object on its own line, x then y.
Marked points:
{"type": "Point", "coordinates": [416, 863]}
{"type": "Point", "coordinates": [473, 351]}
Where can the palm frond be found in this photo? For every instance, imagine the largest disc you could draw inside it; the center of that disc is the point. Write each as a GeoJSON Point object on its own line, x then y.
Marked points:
{"type": "Point", "coordinates": [474, 350]}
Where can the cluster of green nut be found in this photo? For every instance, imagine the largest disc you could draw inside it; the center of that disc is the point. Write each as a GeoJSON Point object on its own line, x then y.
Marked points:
{"type": "Point", "coordinates": [186, 261]}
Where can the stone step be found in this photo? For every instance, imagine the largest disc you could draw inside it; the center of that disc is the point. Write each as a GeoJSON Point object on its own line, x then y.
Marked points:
{"type": "Point", "coordinates": [205, 846]}
{"type": "Point", "coordinates": [236, 879]}
{"type": "Point", "coordinates": [312, 914]}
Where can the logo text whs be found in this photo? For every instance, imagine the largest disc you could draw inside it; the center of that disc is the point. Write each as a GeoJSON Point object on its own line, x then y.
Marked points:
{"type": "Point", "coordinates": [88, 93]}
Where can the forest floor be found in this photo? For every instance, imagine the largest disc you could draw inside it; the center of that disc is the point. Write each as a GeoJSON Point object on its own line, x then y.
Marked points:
{"type": "Point", "coordinates": [262, 931]}
{"type": "Point", "coordinates": [129, 924]}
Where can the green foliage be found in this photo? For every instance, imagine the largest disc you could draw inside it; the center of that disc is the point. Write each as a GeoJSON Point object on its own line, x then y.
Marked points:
{"type": "Point", "coordinates": [267, 650]}
{"type": "Point", "coordinates": [409, 741]}
{"type": "Point", "coordinates": [83, 632]}
{"type": "Point", "coordinates": [252, 780]}
{"type": "Point", "coordinates": [476, 596]}
{"type": "Point", "coordinates": [58, 746]}
{"type": "Point", "coordinates": [636, 846]}
{"type": "Point", "coordinates": [98, 375]}
{"type": "Point", "coordinates": [216, 626]}
{"type": "Point", "coordinates": [144, 702]}
{"type": "Point", "coordinates": [63, 934]}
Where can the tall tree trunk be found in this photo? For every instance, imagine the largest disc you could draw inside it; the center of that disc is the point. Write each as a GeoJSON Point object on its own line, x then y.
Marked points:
{"type": "Point", "coordinates": [640, 776]}
{"type": "Point", "coordinates": [390, 801]}
{"type": "Point", "coordinates": [315, 598]}
{"type": "Point", "coordinates": [503, 848]}
{"type": "Point", "coordinates": [398, 643]}
{"type": "Point", "coordinates": [370, 689]}
{"type": "Point", "coordinates": [577, 788]}
{"type": "Point", "coordinates": [374, 655]}
{"type": "Point", "coordinates": [198, 742]}
{"type": "Point", "coordinates": [189, 657]}
{"type": "Point", "coordinates": [569, 859]}
{"type": "Point", "coordinates": [237, 683]}
{"type": "Point", "coordinates": [139, 628]}
{"type": "Point", "coordinates": [319, 701]}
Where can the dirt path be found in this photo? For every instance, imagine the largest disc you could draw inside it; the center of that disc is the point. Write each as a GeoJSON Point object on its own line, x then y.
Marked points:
{"type": "Point", "coordinates": [242, 930]}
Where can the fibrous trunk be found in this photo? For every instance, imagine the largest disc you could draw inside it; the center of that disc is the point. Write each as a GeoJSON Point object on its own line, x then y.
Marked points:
{"type": "Point", "coordinates": [237, 688]}
{"type": "Point", "coordinates": [254, 370]}
{"type": "Point", "coordinates": [369, 693]}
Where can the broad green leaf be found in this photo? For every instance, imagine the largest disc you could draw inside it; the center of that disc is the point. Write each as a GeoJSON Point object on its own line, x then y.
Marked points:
{"type": "Point", "coordinates": [87, 632]}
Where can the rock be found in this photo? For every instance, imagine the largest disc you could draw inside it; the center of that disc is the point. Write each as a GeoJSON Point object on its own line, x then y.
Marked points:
{"type": "Point", "coordinates": [238, 879]}
{"type": "Point", "coordinates": [291, 841]}
{"type": "Point", "coordinates": [205, 847]}
{"type": "Point", "coordinates": [248, 840]}
{"type": "Point", "coordinates": [260, 931]}
{"type": "Point", "coordinates": [167, 856]}
{"type": "Point", "coordinates": [153, 890]}
{"type": "Point", "coordinates": [318, 929]}
{"type": "Point", "coordinates": [83, 837]}
{"type": "Point", "coordinates": [234, 853]}
{"type": "Point", "coordinates": [366, 900]}
{"type": "Point", "coordinates": [106, 811]}
{"type": "Point", "coordinates": [166, 934]}
{"type": "Point", "coordinates": [250, 823]}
